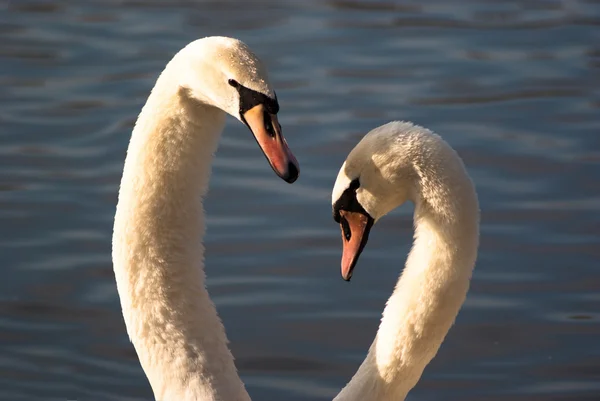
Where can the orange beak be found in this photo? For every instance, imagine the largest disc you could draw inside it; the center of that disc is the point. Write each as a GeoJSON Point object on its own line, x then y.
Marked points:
{"type": "Point", "coordinates": [355, 234]}
{"type": "Point", "coordinates": [267, 132]}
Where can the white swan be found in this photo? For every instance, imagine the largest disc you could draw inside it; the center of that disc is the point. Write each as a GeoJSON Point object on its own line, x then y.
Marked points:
{"type": "Point", "coordinates": [391, 164]}
{"type": "Point", "coordinates": [159, 224]}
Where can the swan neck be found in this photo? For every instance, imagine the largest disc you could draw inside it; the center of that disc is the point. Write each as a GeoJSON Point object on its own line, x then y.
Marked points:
{"type": "Point", "coordinates": [427, 296]}
{"type": "Point", "coordinates": [158, 253]}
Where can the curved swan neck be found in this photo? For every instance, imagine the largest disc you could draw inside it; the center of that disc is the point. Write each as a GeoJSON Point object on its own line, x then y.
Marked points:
{"type": "Point", "coordinates": [431, 289]}
{"type": "Point", "coordinates": [158, 253]}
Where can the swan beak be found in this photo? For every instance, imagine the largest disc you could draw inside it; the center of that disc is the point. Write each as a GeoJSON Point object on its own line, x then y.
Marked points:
{"type": "Point", "coordinates": [355, 234]}
{"type": "Point", "coordinates": [267, 131]}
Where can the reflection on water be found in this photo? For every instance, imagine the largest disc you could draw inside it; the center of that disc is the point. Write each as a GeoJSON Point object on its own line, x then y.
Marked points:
{"type": "Point", "coordinates": [514, 86]}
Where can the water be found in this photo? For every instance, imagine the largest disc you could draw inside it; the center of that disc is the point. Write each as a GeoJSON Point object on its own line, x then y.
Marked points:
{"type": "Point", "coordinates": [512, 85]}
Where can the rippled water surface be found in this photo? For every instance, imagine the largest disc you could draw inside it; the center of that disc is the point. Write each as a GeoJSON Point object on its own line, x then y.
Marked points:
{"type": "Point", "coordinates": [512, 85]}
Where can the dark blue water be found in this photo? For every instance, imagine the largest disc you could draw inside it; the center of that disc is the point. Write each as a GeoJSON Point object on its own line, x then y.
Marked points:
{"type": "Point", "coordinates": [514, 86]}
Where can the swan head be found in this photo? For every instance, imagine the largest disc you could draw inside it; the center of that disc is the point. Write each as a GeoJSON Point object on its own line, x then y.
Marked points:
{"type": "Point", "coordinates": [378, 176]}
{"type": "Point", "coordinates": [225, 73]}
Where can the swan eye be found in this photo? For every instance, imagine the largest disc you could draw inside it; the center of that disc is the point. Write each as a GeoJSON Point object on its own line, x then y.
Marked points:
{"type": "Point", "coordinates": [348, 201]}
{"type": "Point", "coordinates": [233, 83]}
{"type": "Point", "coordinates": [268, 124]}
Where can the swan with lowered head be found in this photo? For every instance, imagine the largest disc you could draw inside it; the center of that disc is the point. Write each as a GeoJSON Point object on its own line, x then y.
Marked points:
{"type": "Point", "coordinates": [394, 163]}
{"type": "Point", "coordinates": [159, 224]}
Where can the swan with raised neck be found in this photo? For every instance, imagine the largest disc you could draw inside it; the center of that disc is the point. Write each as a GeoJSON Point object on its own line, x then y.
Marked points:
{"type": "Point", "coordinates": [394, 163]}
{"type": "Point", "coordinates": [158, 255]}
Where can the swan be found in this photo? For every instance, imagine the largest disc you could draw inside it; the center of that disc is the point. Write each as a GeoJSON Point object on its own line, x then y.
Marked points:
{"type": "Point", "coordinates": [159, 223]}
{"type": "Point", "coordinates": [394, 163]}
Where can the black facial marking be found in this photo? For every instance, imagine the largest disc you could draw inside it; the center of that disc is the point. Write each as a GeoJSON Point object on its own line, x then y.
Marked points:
{"type": "Point", "coordinates": [250, 98]}
{"type": "Point", "coordinates": [348, 202]}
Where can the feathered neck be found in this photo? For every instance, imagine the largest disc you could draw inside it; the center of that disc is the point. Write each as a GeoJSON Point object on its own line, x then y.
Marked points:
{"type": "Point", "coordinates": [158, 253]}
